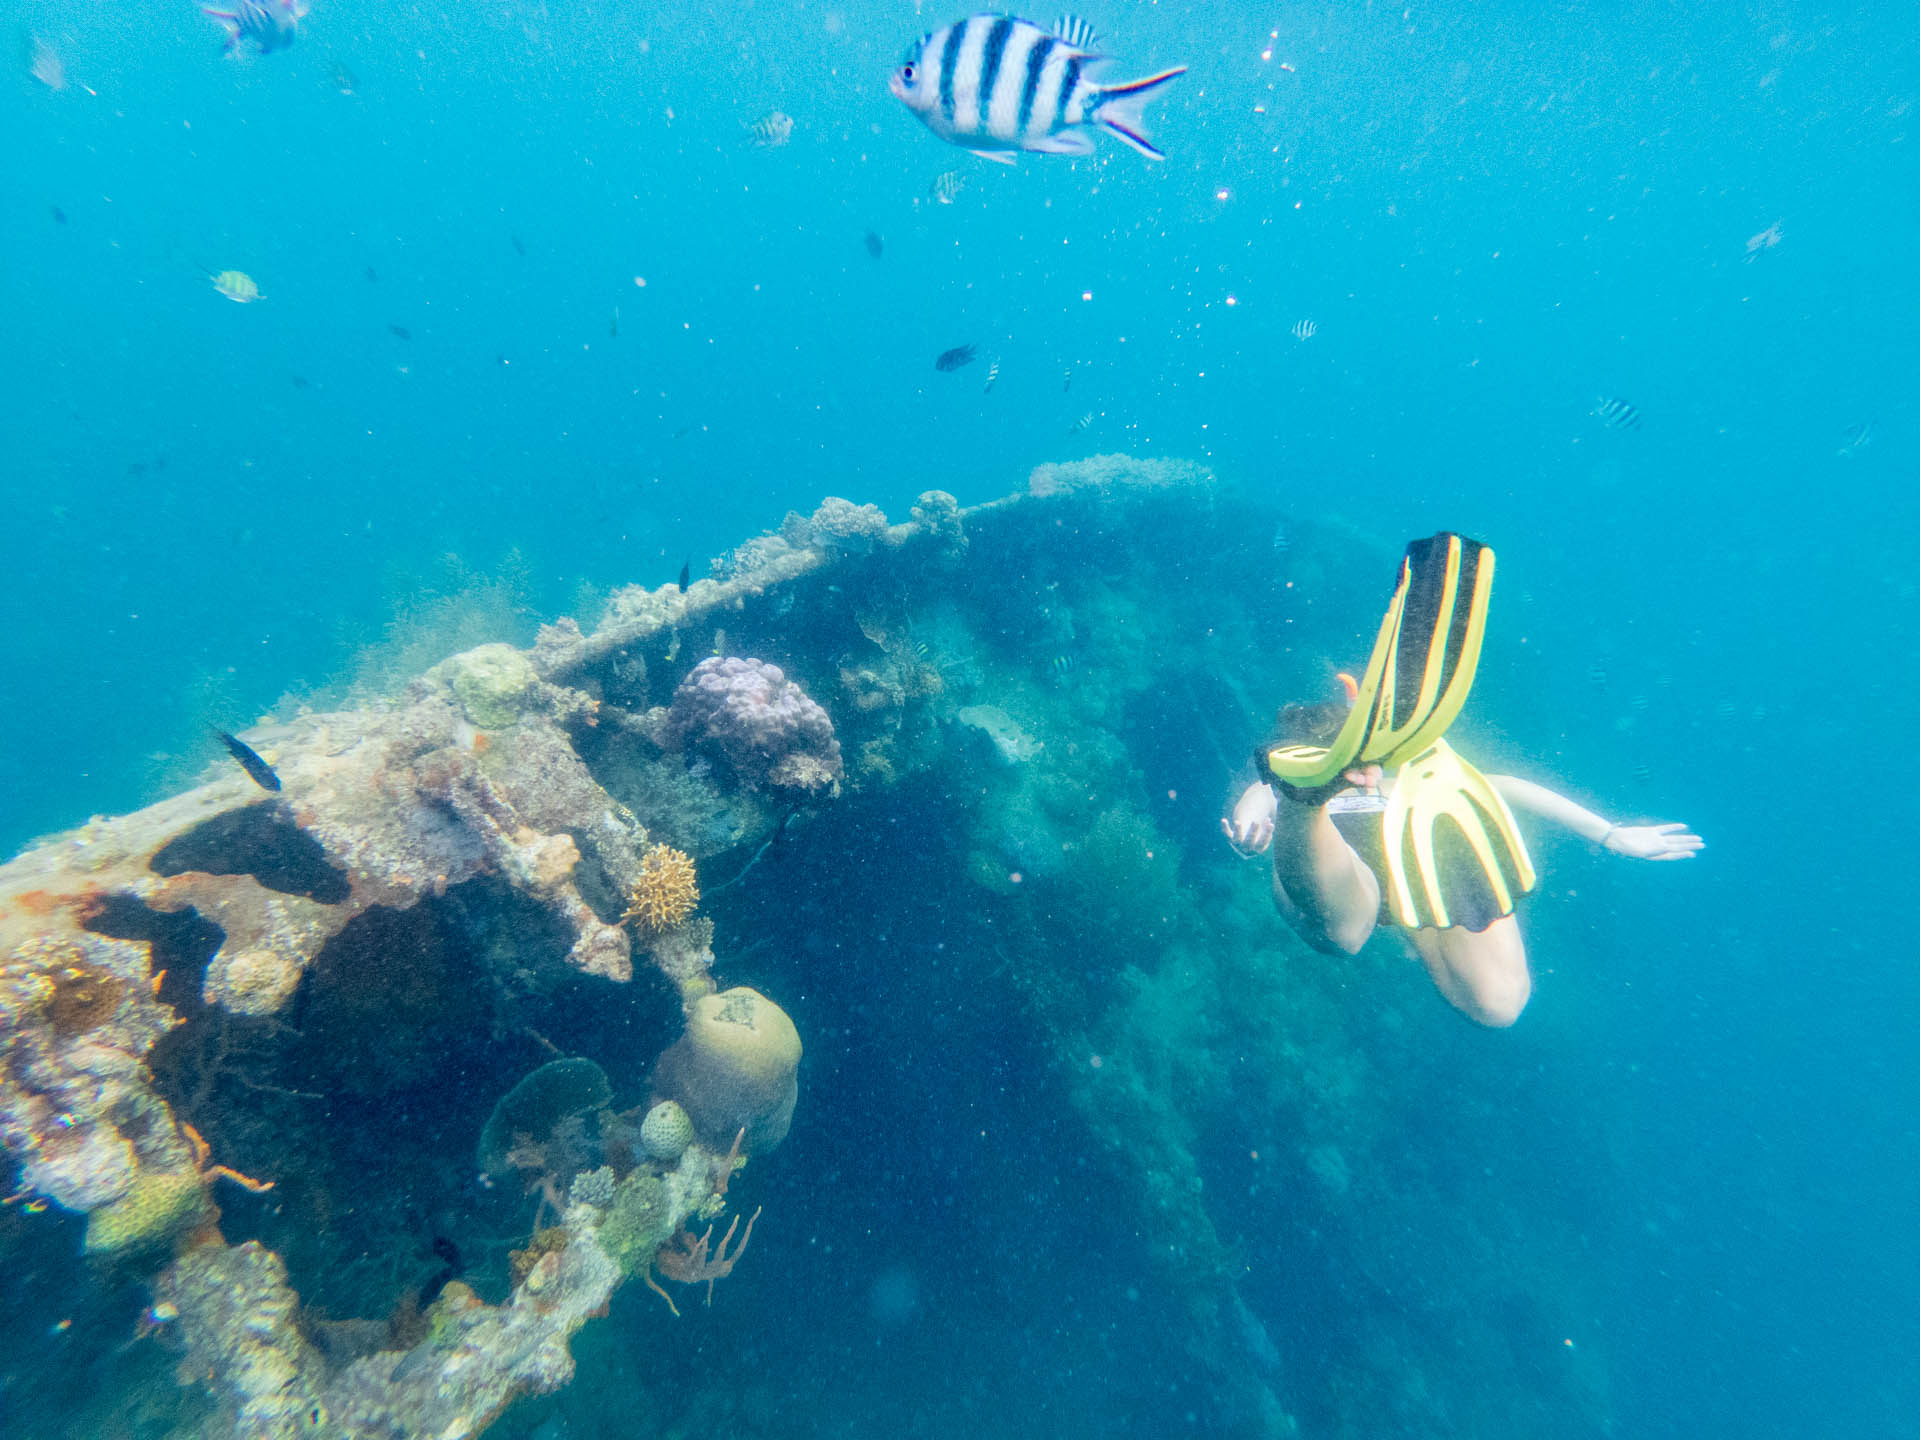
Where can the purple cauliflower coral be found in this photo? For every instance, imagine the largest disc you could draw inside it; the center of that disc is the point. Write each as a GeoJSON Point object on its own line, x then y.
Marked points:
{"type": "Point", "coordinates": [762, 724]}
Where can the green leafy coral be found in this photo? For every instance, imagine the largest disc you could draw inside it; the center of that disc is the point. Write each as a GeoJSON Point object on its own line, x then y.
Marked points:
{"type": "Point", "coordinates": [637, 1223]}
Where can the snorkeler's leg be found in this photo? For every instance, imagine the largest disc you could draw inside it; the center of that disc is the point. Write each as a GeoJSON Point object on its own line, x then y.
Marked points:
{"type": "Point", "coordinates": [1483, 974]}
{"type": "Point", "coordinates": [1326, 891]}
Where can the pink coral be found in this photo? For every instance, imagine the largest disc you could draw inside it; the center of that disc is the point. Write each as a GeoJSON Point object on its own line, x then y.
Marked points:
{"type": "Point", "coordinates": [762, 724]}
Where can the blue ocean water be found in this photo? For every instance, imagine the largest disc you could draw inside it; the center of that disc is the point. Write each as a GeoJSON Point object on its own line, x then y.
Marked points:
{"type": "Point", "coordinates": [459, 404]}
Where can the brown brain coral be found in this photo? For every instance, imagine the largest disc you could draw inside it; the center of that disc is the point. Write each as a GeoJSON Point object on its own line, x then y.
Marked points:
{"type": "Point", "coordinates": [664, 893]}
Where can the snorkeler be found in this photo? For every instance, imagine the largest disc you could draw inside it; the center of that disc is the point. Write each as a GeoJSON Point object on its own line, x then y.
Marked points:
{"type": "Point", "coordinates": [1376, 816]}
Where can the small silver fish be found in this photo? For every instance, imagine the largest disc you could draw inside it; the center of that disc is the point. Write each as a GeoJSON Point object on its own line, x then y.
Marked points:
{"type": "Point", "coordinates": [1854, 439]}
{"type": "Point", "coordinates": [993, 374]}
{"type": "Point", "coordinates": [1304, 330]}
{"type": "Point", "coordinates": [997, 85]}
{"type": "Point", "coordinates": [947, 186]}
{"type": "Point", "coordinates": [772, 130]}
{"type": "Point", "coordinates": [1081, 424]}
{"type": "Point", "coordinates": [1765, 240]}
{"type": "Point", "coordinates": [1616, 414]}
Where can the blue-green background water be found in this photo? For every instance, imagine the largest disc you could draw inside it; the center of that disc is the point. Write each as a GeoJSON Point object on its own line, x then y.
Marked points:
{"type": "Point", "coordinates": [1493, 215]}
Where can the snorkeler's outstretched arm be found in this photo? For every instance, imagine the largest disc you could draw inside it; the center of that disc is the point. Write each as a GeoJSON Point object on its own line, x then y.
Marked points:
{"type": "Point", "coordinates": [1640, 842]}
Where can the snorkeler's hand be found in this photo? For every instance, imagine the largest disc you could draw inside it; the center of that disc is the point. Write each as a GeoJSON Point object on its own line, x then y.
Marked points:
{"type": "Point", "coordinates": [1250, 828]}
{"type": "Point", "coordinates": [1653, 842]}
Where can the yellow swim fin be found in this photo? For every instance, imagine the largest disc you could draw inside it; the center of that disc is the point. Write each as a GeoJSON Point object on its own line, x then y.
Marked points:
{"type": "Point", "coordinates": [1425, 862]}
{"type": "Point", "coordinates": [1422, 665]}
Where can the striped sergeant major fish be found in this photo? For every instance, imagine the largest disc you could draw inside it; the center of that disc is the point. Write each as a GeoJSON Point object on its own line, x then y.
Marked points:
{"type": "Point", "coordinates": [1617, 414]}
{"type": "Point", "coordinates": [270, 24]}
{"type": "Point", "coordinates": [994, 85]}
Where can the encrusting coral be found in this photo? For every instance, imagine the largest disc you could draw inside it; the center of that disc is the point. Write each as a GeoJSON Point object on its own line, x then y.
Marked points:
{"type": "Point", "coordinates": [765, 727]}
{"type": "Point", "coordinates": [665, 890]}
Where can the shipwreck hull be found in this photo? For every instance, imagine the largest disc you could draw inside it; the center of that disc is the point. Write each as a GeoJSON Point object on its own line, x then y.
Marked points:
{"type": "Point", "coordinates": [331, 987]}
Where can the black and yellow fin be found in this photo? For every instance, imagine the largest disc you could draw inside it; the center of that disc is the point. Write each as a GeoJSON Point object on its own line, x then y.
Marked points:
{"type": "Point", "coordinates": [1447, 583]}
{"type": "Point", "coordinates": [1478, 857]}
{"type": "Point", "coordinates": [1421, 668]}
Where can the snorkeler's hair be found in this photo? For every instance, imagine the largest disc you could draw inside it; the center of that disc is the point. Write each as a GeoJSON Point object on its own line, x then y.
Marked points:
{"type": "Point", "coordinates": [1302, 725]}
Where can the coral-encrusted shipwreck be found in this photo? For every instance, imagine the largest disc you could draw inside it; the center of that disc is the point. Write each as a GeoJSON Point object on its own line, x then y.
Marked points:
{"type": "Point", "coordinates": [497, 765]}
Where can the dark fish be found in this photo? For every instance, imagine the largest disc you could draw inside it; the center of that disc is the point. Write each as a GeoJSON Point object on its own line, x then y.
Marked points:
{"type": "Point", "coordinates": [1617, 414]}
{"type": "Point", "coordinates": [518, 248]}
{"type": "Point", "coordinates": [951, 360]}
{"type": "Point", "coordinates": [372, 278]}
{"type": "Point", "coordinates": [399, 332]}
{"type": "Point", "coordinates": [686, 575]}
{"type": "Point", "coordinates": [875, 246]}
{"type": "Point", "coordinates": [257, 769]}
{"type": "Point", "coordinates": [59, 216]}
{"type": "Point", "coordinates": [300, 382]}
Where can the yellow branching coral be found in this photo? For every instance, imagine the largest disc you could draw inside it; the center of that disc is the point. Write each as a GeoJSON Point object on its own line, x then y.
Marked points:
{"type": "Point", "coordinates": [664, 894]}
